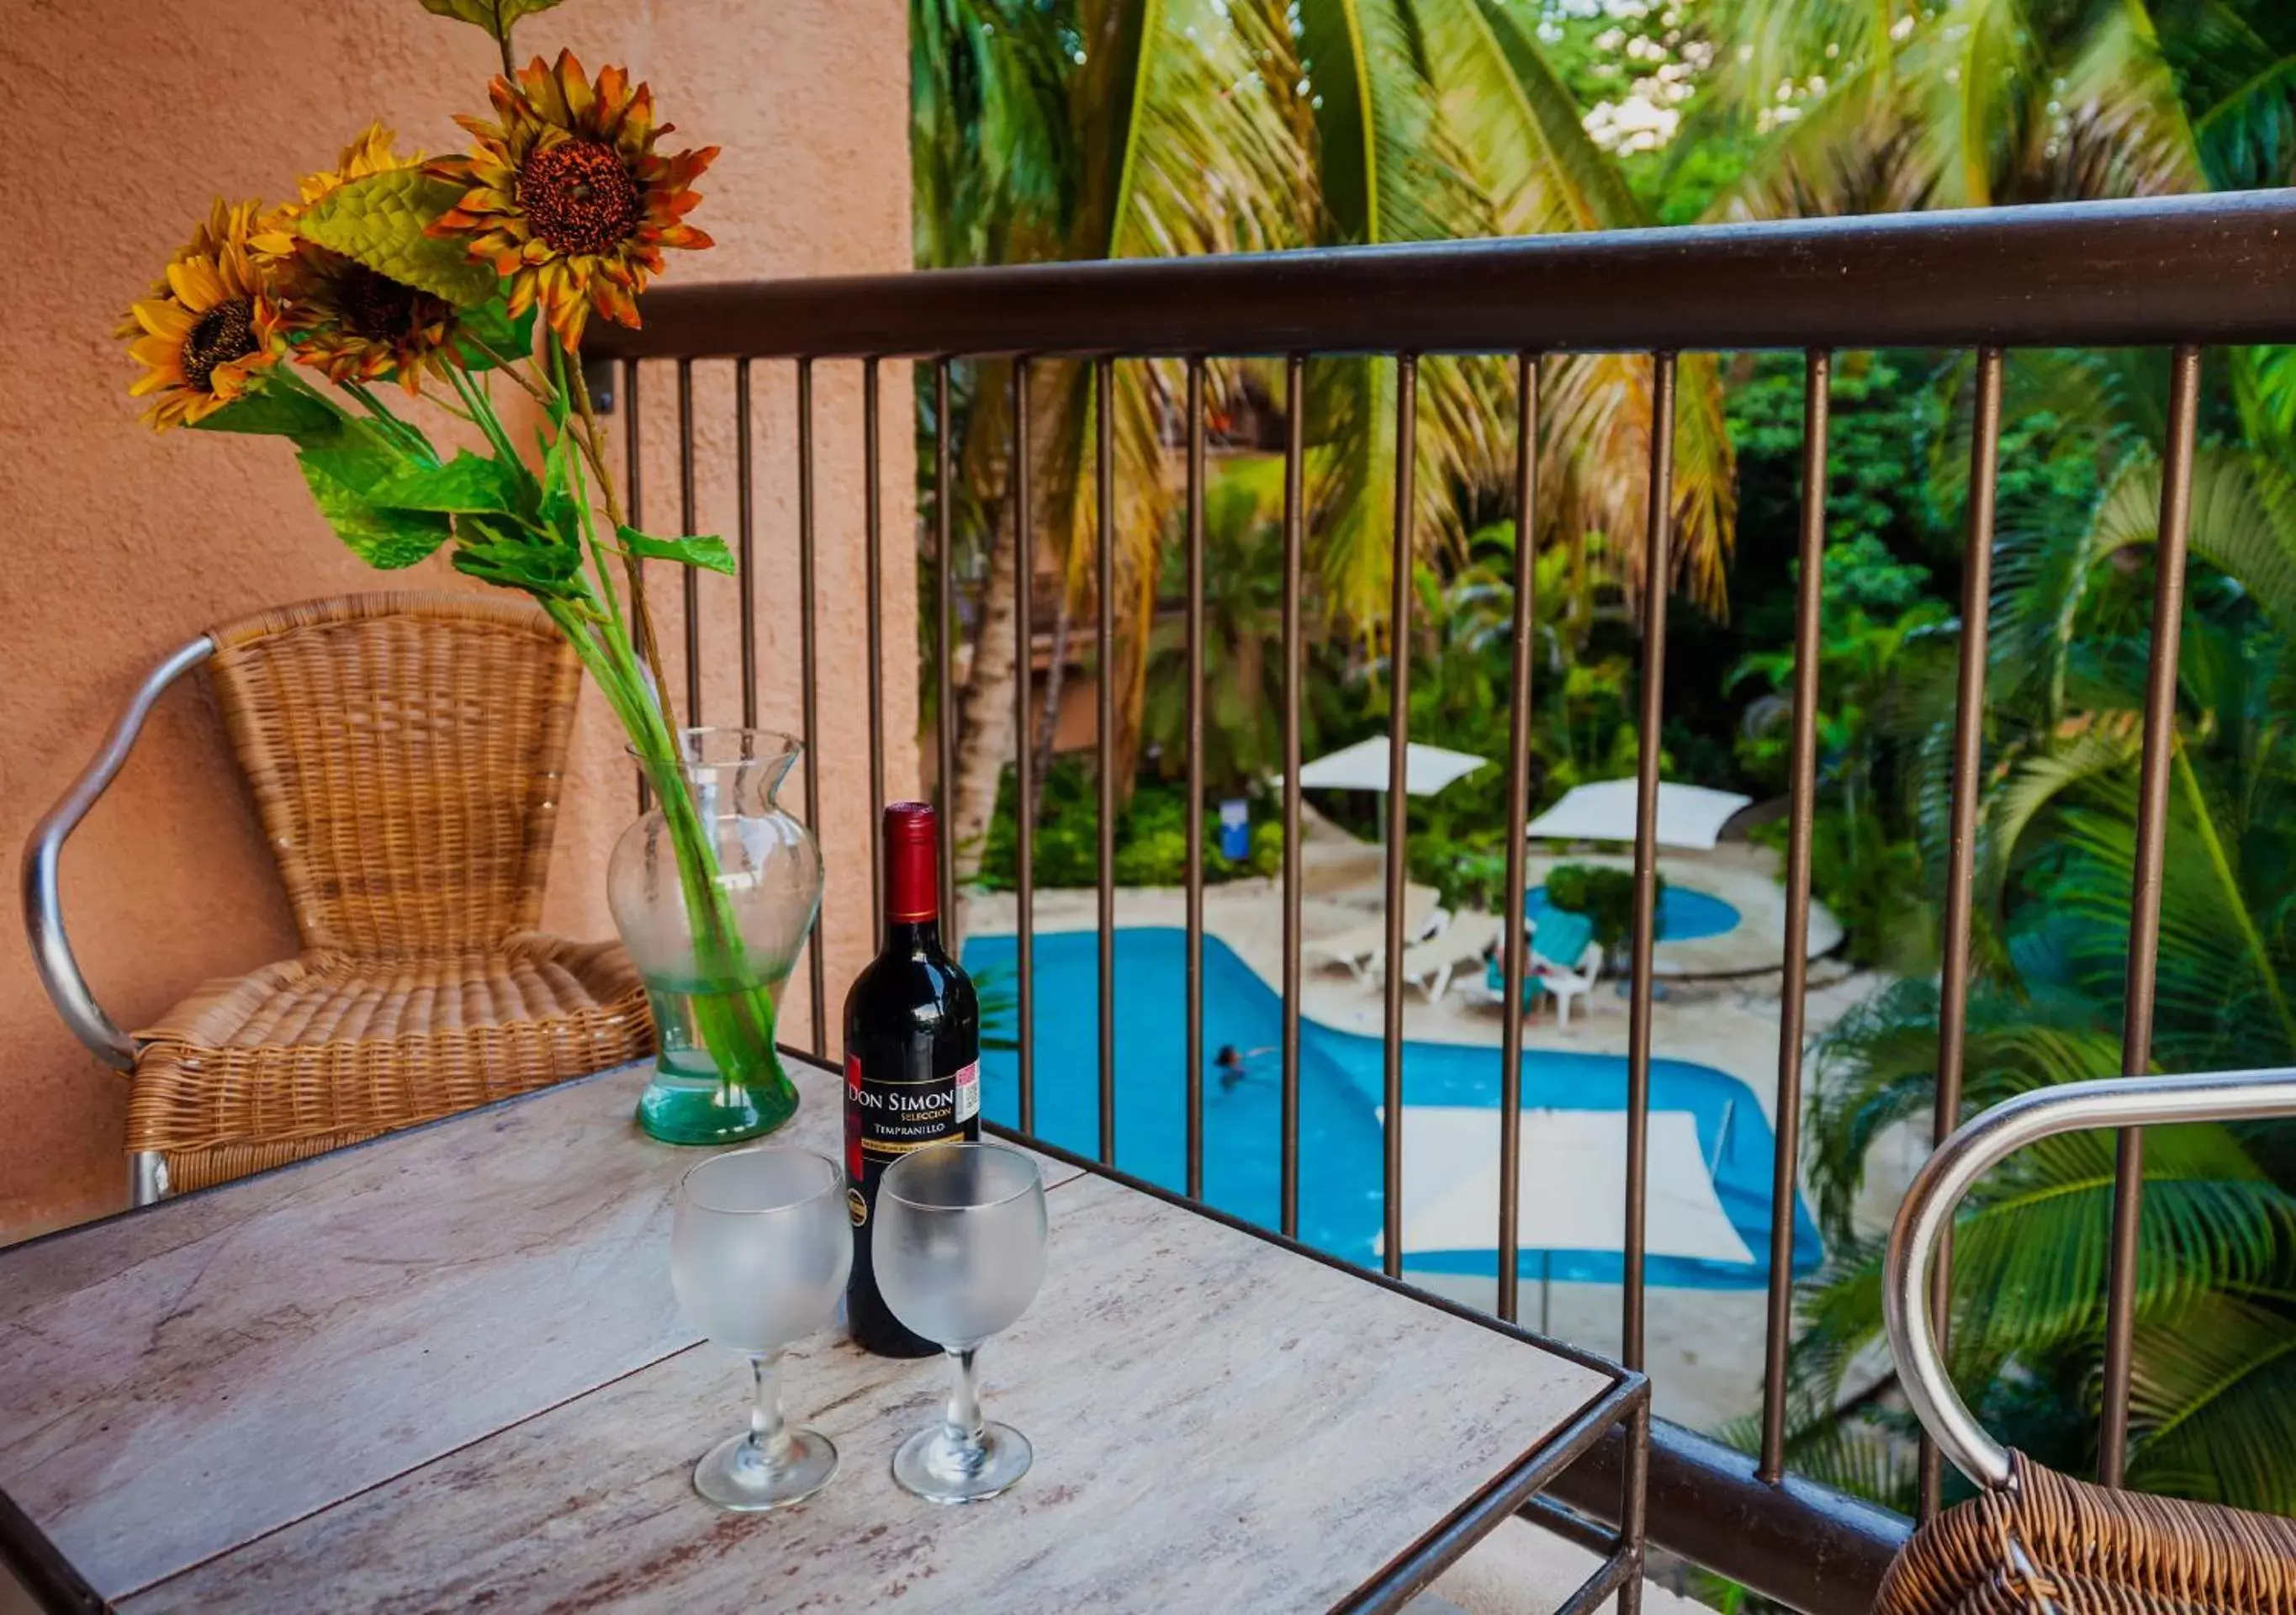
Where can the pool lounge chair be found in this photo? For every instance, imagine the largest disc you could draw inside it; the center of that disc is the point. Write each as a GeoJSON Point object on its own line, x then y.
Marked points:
{"type": "Point", "coordinates": [1359, 946]}
{"type": "Point", "coordinates": [1564, 963]}
{"type": "Point", "coordinates": [1429, 965]}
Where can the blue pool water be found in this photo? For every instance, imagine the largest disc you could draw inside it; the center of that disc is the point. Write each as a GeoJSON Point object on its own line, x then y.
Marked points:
{"type": "Point", "coordinates": [1682, 913]}
{"type": "Point", "coordinates": [1340, 1076]}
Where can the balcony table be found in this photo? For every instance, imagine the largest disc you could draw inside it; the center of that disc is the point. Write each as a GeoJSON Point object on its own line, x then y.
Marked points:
{"type": "Point", "coordinates": [444, 1370]}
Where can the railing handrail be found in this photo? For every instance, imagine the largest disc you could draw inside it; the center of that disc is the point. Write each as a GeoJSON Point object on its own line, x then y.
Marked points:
{"type": "Point", "coordinates": [1981, 1144]}
{"type": "Point", "coordinates": [2211, 269]}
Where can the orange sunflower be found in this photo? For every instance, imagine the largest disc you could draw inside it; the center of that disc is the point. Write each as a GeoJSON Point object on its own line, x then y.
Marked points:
{"type": "Point", "coordinates": [566, 196]}
{"type": "Point", "coordinates": [351, 322]}
{"type": "Point", "coordinates": [215, 326]}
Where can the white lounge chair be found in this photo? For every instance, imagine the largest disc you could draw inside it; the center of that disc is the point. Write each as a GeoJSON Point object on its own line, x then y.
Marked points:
{"type": "Point", "coordinates": [1360, 945]}
{"type": "Point", "coordinates": [1429, 965]}
{"type": "Point", "coordinates": [1565, 983]}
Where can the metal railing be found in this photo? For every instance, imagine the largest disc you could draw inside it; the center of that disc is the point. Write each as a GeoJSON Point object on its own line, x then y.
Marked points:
{"type": "Point", "coordinates": [2176, 273]}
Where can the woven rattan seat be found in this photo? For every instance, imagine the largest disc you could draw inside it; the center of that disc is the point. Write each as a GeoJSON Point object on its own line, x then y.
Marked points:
{"type": "Point", "coordinates": [405, 753]}
{"type": "Point", "coordinates": [2048, 1542]}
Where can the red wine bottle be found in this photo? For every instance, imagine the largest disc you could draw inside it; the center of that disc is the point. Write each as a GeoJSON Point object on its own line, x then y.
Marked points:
{"type": "Point", "coordinates": [912, 1060]}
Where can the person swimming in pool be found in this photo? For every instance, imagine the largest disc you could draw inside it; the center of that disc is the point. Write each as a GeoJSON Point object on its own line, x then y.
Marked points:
{"type": "Point", "coordinates": [1233, 1065]}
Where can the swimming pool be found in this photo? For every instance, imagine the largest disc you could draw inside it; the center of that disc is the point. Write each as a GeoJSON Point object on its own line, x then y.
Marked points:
{"type": "Point", "coordinates": [1684, 913]}
{"type": "Point", "coordinates": [1340, 1079]}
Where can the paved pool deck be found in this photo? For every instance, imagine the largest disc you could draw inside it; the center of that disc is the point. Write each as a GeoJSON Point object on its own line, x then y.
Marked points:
{"type": "Point", "coordinates": [1704, 1347]}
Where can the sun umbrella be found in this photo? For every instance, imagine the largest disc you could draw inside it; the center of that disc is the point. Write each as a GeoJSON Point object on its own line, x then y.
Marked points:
{"type": "Point", "coordinates": [1363, 766]}
{"type": "Point", "coordinates": [1688, 815]}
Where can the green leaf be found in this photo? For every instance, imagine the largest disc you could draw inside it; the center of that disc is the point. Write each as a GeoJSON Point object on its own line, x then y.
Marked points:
{"type": "Point", "coordinates": [271, 409]}
{"type": "Point", "coordinates": [708, 552]}
{"type": "Point", "coordinates": [469, 483]}
{"type": "Point", "coordinates": [490, 322]}
{"type": "Point", "coordinates": [557, 510]}
{"type": "Point", "coordinates": [380, 220]}
{"type": "Point", "coordinates": [340, 481]}
{"type": "Point", "coordinates": [494, 16]}
{"type": "Point", "coordinates": [502, 556]}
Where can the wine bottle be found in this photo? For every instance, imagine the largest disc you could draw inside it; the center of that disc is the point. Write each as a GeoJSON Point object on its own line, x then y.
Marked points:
{"type": "Point", "coordinates": [912, 1059]}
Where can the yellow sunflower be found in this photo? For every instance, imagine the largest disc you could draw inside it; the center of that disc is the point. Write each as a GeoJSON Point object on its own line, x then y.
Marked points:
{"type": "Point", "coordinates": [353, 323]}
{"type": "Point", "coordinates": [212, 328]}
{"type": "Point", "coordinates": [567, 198]}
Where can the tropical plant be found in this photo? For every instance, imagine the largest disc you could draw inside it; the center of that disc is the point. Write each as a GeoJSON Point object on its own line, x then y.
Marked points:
{"type": "Point", "coordinates": [2216, 1343]}
{"type": "Point", "coordinates": [1092, 128]}
{"type": "Point", "coordinates": [1858, 107]}
{"type": "Point", "coordinates": [432, 274]}
{"type": "Point", "coordinates": [1244, 638]}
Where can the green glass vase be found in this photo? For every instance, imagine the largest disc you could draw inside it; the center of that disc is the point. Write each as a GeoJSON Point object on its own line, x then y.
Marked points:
{"type": "Point", "coordinates": [715, 889]}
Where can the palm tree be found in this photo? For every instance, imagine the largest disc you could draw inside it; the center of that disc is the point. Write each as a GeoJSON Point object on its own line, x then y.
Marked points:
{"type": "Point", "coordinates": [1864, 107]}
{"type": "Point", "coordinates": [2215, 1344]}
{"type": "Point", "coordinates": [1078, 130]}
{"type": "Point", "coordinates": [1093, 128]}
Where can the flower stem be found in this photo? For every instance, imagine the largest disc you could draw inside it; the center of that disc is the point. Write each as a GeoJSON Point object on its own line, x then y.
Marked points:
{"type": "Point", "coordinates": [633, 568]}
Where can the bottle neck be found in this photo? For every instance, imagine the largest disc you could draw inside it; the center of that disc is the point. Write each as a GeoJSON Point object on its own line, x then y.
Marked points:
{"type": "Point", "coordinates": [909, 939]}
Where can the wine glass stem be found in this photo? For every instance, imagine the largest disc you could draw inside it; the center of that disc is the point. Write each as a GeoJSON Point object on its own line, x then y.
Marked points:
{"type": "Point", "coordinates": [965, 1423]}
{"type": "Point", "coordinates": [768, 1432]}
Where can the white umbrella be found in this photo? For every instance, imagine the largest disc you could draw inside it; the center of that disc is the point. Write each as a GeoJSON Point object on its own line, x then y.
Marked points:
{"type": "Point", "coordinates": [1688, 815]}
{"type": "Point", "coordinates": [1363, 766]}
{"type": "Point", "coordinates": [1571, 1190]}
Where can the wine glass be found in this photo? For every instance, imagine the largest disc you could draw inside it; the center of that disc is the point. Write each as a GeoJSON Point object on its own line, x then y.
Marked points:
{"type": "Point", "coordinates": [959, 1252]}
{"type": "Point", "coordinates": [759, 1256]}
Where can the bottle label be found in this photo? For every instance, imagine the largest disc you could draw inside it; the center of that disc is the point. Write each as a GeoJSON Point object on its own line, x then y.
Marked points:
{"type": "Point", "coordinates": [886, 1118]}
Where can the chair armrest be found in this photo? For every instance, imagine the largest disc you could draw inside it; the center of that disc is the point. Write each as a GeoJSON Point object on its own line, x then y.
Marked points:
{"type": "Point", "coordinates": [44, 912]}
{"type": "Point", "coordinates": [1977, 1146]}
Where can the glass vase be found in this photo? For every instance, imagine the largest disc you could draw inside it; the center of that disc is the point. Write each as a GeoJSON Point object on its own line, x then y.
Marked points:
{"type": "Point", "coordinates": [714, 889]}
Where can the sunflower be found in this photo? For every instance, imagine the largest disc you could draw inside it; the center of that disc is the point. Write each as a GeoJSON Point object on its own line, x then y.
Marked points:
{"type": "Point", "coordinates": [567, 198]}
{"type": "Point", "coordinates": [212, 328]}
{"type": "Point", "coordinates": [354, 323]}
{"type": "Point", "coordinates": [357, 325]}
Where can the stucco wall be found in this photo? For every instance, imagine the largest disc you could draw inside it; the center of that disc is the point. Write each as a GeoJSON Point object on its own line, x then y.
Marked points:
{"type": "Point", "coordinates": [120, 545]}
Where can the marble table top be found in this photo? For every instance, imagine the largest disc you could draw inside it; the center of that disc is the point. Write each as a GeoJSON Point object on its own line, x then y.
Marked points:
{"type": "Point", "coordinates": [445, 1371]}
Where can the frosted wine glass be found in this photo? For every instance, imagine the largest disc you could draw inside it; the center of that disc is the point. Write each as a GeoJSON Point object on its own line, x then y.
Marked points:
{"type": "Point", "coordinates": [758, 1257]}
{"type": "Point", "coordinates": [960, 1252]}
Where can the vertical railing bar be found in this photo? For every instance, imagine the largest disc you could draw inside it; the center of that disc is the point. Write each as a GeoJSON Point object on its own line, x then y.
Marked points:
{"type": "Point", "coordinates": [1960, 859]}
{"type": "Point", "coordinates": [690, 578]}
{"type": "Point", "coordinates": [745, 541]}
{"type": "Point", "coordinates": [1196, 864]}
{"type": "Point", "coordinates": [1397, 805]}
{"type": "Point", "coordinates": [1024, 816]}
{"type": "Point", "coordinates": [634, 493]}
{"type": "Point", "coordinates": [1801, 792]}
{"type": "Point", "coordinates": [1295, 414]}
{"type": "Point", "coordinates": [809, 687]}
{"type": "Point", "coordinates": [873, 541]}
{"type": "Point", "coordinates": [1635, 1503]}
{"type": "Point", "coordinates": [1511, 911]}
{"type": "Point", "coordinates": [1657, 564]}
{"type": "Point", "coordinates": [1104, 734]}
{"type": "Point", "coordinates": [945, 653]}
{"type": "Point", "coordinates": [2144, 897]}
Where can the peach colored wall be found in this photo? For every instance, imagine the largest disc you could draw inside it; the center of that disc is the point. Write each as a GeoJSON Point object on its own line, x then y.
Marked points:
{"type": "Point", "coordinates": [120, 545]}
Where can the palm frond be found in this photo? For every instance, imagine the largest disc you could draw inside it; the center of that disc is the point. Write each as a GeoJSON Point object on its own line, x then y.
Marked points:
{"type": "Point", "coordinates": [2119, 127]}
{"type": "Point", "coordinates": [2213, 1406]}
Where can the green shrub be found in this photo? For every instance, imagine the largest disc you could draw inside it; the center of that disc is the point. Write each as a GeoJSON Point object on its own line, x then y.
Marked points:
{"type": "Point", "coordinates": [1603, 894]}
{"type": "Point", "coordinates": [1152, 836]}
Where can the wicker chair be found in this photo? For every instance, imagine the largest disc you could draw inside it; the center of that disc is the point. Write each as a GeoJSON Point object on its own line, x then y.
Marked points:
{"type": "Point", "coordinates": [2034, 1540]}
{"type": "Point", "coordinates": [405, 753]}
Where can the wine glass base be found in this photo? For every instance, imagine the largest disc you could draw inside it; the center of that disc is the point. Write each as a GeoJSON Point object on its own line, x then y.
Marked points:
{"type": "Point", "coordinates": [735, 1475]}
{"type": "Point", "coordinates": [931, 1466]}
